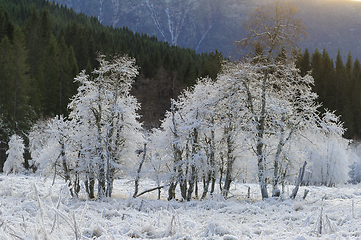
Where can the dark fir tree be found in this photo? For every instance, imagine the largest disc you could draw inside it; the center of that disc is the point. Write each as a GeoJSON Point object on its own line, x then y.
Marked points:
{"type": "Point", "coordinates": [356, 98]}
{"type": "Point", "coordinates": [305, 63]}
{"type": "Point", "coordinates": [328, 90]}
{"type": "Point", "coordinates": [316, 67]}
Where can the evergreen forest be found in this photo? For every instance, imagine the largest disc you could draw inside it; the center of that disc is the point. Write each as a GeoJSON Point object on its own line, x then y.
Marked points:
{"type": "Point", "coordinates": [338, 85]}
{"type": "Point", "coordinates": [43, 46]}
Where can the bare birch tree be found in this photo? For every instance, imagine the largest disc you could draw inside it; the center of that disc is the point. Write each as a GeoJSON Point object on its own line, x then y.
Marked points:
{"type": "Point", "coordinates": [271, 27]}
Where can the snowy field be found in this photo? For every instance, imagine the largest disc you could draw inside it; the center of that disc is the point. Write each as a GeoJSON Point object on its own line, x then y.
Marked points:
{"type": "Point", "coordinates": [31, 208]}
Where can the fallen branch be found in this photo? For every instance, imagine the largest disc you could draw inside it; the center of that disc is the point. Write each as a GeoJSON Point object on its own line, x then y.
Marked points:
{"type": "Point", "coordinates": [149, 190]}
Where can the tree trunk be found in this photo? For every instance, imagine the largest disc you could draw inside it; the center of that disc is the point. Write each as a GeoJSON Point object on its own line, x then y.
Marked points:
{"type": "Point", "coordinates": [221, 175]}
{"type": "Point", "coordinates": [211, 180]}
{"type": "Point", "coordinates": [76, 185]}
{"type": "Point", "coordinates": [136, 182]}
{"type": "Point", "coordinates": [100, 163]}
{"type": "Point", "coordinates": [193, 165]}
{"type": "Point", "coordinates": [177, 168]}
{"type": "Point", "coordinates": [206, 186]}
{"type": "Point", "coordinates": [230, 162]}
{"type": "Point", "coordinates": [210, 162]}
{"type": "Point", "coordinates": [261, 178]}
{"type": "Point", "coordinates": [192, 181]}
{"type": "Point", "coordinates": [109, 182]}
{"type": "Point", "coordinates": [65, 168]}
{"type": "Point", "coordinates": [196, 188]}
{"type": "Point", "coordinates": [299, 181]}
{"type": "Point", "coordinates": [183, 185]}
{"type": "Point", "coordinates": [101, 182]}
{"type": "Point", "coordinates": [213, 183]}
{"type": "Point", "coordinates": [171, 190]}
{"type": "Point", "coordinates": [89, 187]}
{"type": "Point", "coordinates": [260, 133]}
{"type": "Point", "coordinates": [276, 171]}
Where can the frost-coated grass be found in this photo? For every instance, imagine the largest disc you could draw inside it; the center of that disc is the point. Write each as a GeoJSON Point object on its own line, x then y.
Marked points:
{"type": "Point", "coordinates": [30, 208]}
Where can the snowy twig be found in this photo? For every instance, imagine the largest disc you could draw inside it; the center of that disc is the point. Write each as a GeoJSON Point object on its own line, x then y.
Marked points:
{"type": "Point", "coordinates": [14, 235]}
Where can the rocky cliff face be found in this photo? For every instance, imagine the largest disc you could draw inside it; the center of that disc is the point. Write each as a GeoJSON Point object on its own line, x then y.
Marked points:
{"type": "Point", "coordinates": [206, 25]}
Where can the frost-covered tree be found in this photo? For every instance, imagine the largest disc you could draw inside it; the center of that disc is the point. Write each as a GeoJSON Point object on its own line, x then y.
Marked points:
{"type": "Point", "coordinates": [329, 154]}
{"type": "Point", "coordinates": [52, 151]}
{"type": "Point", "coordinates": [193, 110]}
{"type": "Point", "coordinates": [229, 122]}
{"type": "Point", "coordinates": [15, 159]}
{"type": "Point", "coordinates": [107, 131]}
{"type": "Point", "coordinates": [355, 167]}
{"type": "Point", "coordinates": [274, 29]}
{"type": "Point", "coordinates": [355, 172]}
{"type": "Point", "coordinates": [242, 125]}
{"type": "Point", "coordinates": [280, 108]}
{"type": "Point", "coordinates": [99, 140]}
{"type": "Point", "coordinates": [180, 142]}
{"type": "Point", "coordinates": [38, 139]}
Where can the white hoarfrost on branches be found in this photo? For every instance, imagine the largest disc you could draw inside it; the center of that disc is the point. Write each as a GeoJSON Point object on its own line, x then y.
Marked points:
{"type": "Point", "coordinates": [99, 140]}
{"type": "Point", "coordinates": [355, 167]}
{"type": "Point", "coordinates": [38, 139]}
{"type": "Point", "coordinates": [105, 120]}
{"type": "Point", "coordinates": [256, 122]}
{"type": "Point", "coordinates": [15, 159]}
{"type": "Point", "coordinates": [249, 122]}
{"type": "Point", "coordinates": [273, 27]}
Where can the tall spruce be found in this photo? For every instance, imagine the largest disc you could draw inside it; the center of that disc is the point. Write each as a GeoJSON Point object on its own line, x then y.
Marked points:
{"type": "Point", "coordinates": [305, 63]}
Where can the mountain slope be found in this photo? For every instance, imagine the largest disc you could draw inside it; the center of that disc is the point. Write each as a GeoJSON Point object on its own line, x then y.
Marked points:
{"type": "Point", "coordinates": [206, 25]}
{"type": "Point", "coordinates": [203, 25]}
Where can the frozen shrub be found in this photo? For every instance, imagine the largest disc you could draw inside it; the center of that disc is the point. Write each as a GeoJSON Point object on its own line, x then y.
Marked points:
{"type": "Point", "coordinates": [15, 159]}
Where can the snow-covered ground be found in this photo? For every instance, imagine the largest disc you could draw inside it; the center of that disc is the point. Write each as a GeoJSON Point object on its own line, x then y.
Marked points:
{"type": "Point", "coordinates": [31, 208]}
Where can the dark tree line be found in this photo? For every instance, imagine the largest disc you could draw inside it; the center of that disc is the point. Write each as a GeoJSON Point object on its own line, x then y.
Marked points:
{"type": "Point", "coordinates": [43, 46]}
{"type": "Point", "coordinates": [338, 84]}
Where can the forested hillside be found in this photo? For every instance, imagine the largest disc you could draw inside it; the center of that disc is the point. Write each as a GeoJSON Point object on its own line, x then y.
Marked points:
{"type": "Point", "coordinates": [338, 85]}
{"type": "Point", "coordinates": [44, 46]}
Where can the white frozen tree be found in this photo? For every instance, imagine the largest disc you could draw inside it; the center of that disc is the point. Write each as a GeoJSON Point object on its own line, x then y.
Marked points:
{"type": "Point", "coordinates": [218, 126]}
{"type": "Point", "coordinates": [193, 109]}
{"type": "Point", "coordinates": [107, 131]}
{"type": "Point", "coordinates": [179, 144]}
{"type": "Point", "coordinates": [38, 138]}
{"type": "Point", "coordinates": [355, 167]}
{"type": "Point", "coordinates": [99, 140]}
{"type": "Point", "coordinates": [15, 159]}
{"type": "Point", "coordinates": [329, 154]}
{"type": "Point", "coordinates": [279, 107]}
{"type": "Point", "coordinates": [52, 151]}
